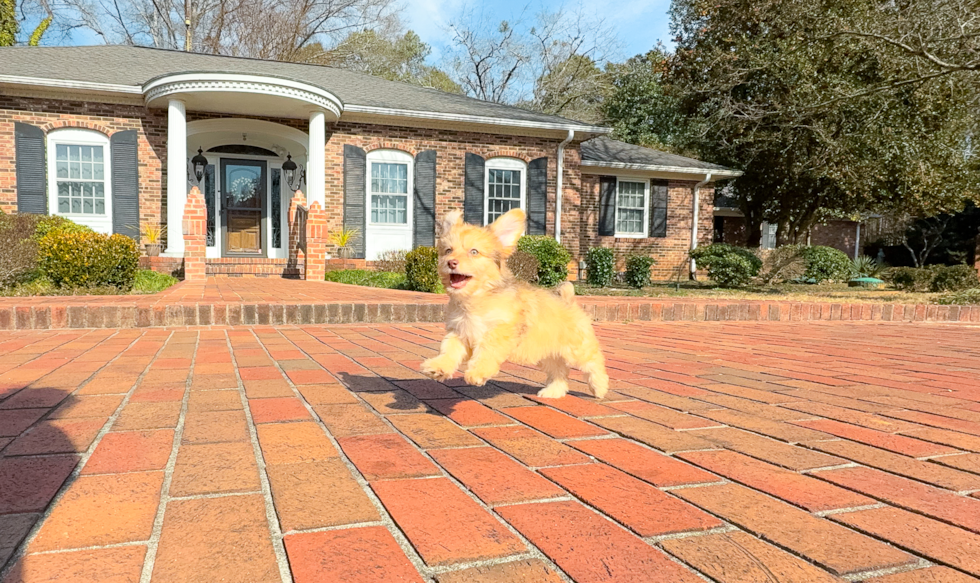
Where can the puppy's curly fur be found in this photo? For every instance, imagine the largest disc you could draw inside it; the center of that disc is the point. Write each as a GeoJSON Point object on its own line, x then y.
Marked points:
{"type": "Point", "coordinates": [492, 318]}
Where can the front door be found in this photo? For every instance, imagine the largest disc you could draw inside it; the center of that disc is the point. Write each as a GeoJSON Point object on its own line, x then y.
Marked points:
{"type": "Point", "coordinates": [243, 187]}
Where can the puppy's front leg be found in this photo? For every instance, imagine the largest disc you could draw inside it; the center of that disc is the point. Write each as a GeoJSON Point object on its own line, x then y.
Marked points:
{"type": "Point", "coordinates": [451, 353]}
{"type": "Point", "coordinates": [488, 355]}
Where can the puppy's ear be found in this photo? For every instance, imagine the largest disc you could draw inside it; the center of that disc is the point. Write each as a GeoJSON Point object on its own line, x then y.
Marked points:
{"type": "Point", "coordinates": [509, 228]}
{"type": "Point", "coordinates": [449, 220]}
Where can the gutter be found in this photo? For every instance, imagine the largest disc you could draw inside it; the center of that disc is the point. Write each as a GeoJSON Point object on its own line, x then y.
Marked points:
{"type": "Point", "coordinates": [715, 172]}
{"type": "Point", "coordinates": [558, 193]}
{"type": "Point", "coordinates": [695, 212]}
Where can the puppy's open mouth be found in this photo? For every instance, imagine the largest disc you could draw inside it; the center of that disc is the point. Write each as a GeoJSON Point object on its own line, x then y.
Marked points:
{"type": "Point", "coordinates": [458, 280]}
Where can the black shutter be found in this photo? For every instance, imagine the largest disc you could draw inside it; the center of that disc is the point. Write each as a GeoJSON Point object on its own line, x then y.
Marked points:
{"type": "Point", "coordinates": [658, 208]}
{"type": "Point", "coordinates": [607, 206]}
{"type": "Point", "coordinates": [125, 184]}
{"type": "Point", "coordinates": [473, 190]}
{"type": "Point", "coordinates": [537, 196]}
{"type": "Point", "coordinates": [355, 174]}
{"type": "Point", "coordinates": [32, 196]}
{"type": "Point", "coordinates": [425, 199]}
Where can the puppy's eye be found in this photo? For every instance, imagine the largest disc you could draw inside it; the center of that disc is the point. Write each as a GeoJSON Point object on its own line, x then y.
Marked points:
{"type": "Point", "coordinates": [474, 252]}
{"type": "Point", "coordinates": [448, 250]}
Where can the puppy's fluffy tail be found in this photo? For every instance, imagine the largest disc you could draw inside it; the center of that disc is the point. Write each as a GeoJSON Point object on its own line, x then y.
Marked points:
{"type": "Point", "coordinates": [566, 291]}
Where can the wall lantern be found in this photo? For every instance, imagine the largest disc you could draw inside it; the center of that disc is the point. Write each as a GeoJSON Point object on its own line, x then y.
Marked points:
{"type": "Point", "coordinates": [292, 174]}
{"type": "Point", "coordinates": [200, 163]}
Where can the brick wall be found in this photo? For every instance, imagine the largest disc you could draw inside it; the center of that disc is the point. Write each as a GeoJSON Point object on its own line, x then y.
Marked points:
{"type": "Point", "coordinates": [107, 118]}
{"type": "Point", "coordinates": [837, 234]}
{"type": "Point", "coordinates": [671, 252]}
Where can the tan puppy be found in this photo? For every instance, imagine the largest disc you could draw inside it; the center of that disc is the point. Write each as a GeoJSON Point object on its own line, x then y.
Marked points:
{"type": "Point", "coordinates": [493, 318]}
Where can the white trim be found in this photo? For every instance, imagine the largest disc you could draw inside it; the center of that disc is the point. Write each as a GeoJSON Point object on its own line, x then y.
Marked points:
{"type": "Point", "coordinates": [646, 208]}
{"type": "Point", "coordinates": [227, 82]}
{"type": "Point", "coordinates": [503, 163]}
{"type": "Point", "coordinates": [81, 137]}
{"type": "Point", "coordinates": [68, 84]}
{"type": "Point", "coordinates": [655, 168]}
{"type": "Point", "coordinates": [378, 237]}
{"type": "Point", "coordinates": [479, 119]}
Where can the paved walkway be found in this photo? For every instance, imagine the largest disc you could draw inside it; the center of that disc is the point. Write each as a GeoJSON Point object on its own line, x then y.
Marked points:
{"type": "Point", "coordinates": [738, 452]}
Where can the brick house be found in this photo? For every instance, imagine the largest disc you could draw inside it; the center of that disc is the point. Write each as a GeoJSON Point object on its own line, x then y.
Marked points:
{"type": "Point", "coordinates": [116, 137]}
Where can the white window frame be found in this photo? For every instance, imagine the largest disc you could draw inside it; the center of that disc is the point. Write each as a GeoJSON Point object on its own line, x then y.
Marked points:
{"type": "Point", "coordinates": [391, 157]}
{"type": "Point", "coordinates": [646, 207]}
{"type": "Point", "coordinates": [503, 164]}
{"type": "Point", "coordinates": [80, 137]}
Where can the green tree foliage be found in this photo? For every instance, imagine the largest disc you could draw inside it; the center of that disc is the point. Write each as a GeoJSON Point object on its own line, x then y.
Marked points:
{"type": "Point", "coordinates": [639, 108]}
{"type": "Point", "coordinates": [8, 23]}
{"type": "Point", "coordinates": [396, 58]}
{"type": "Point", "coordinates": [824, 118]}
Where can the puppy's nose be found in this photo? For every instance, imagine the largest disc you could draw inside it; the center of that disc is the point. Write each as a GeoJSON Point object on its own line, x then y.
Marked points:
{"type": "Point", "coordinates": [452, 263]}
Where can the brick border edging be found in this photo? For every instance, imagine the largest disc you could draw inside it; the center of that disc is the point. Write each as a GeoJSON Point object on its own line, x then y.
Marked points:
{"type": "Point", "coordinates": [247, 314]}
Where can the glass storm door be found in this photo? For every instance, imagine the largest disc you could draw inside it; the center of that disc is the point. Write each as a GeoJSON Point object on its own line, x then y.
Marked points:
{"type": "Point", "coordinates": [244, 189]}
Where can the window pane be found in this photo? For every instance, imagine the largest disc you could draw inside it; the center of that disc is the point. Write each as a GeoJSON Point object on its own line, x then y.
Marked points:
{"type": "Point", "coordinates": [98, 190]}
{"type": "Point", "coordinates": [389, 178]}
{"type": "Point", "coordinates": [87, 206]}
{"type": "Point", "coordinates": [74, 153]}
{"type": "Point", "coordinates": [86, 171]}
{"type": "Point", "coordinates": [86, 153]}
{"type": "Point", "coordinates": [76, 205]}
{"type": "Point", "coordinates": [62, 152]}
{"type": "Point", "coordinates": [75, 170]}
{"type": "Point", "coordinates": [97, 154]}
{"type": "Point", "coordinates": [98, 171]}
{"type": "Point", "coordinates": [99, 206]}
{"type": "Point", "coordinates": [63, 205]}
{"type": "Point", "coordinates": [62, 168]}
{"type": "Point", "coordinates": [63, 189]}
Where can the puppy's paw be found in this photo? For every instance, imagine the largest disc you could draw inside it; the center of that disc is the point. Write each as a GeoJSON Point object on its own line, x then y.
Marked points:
{"type": "Point", "coordinates": [475, 378]}
{"type": "Point", "coordinates": [437, 369]}
{"type": "Point", "coordinates": [552, 392]}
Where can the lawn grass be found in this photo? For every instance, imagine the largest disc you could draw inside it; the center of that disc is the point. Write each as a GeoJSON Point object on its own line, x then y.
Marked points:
{"type": "Point", "coordinates": [383, 279]}
{"type": "Point", "coordinates": [147, 282]}
{"type": "Point", "coordinates": [788, 292]}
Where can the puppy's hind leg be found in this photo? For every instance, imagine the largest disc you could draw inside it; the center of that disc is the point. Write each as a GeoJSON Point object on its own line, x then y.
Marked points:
{"type": "Point", "coordinates": [595, 374]}
{"type": "Point", "coordinates": [557, 372]}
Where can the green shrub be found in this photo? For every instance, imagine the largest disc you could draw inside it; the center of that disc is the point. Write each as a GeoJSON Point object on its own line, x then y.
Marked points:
{"type": "Point", "coordinates": [782, 264]}
{"type": "Point", "coordinates": [826, 263]}
{"type": "Point", "coordinates": [384, 279]}
{"type": "Point", "coordinates": [86, 259]}
{"type": "Point", "coordinates": [917, 279]}
{"type": "Point", "coordinates": [727, 265]}
{"type": "Point", "coordinates": [18, 249]}
{"type": "Point", "coordinates": [638, 270]}
{"type": "Point", "coordinates": [954, 278]}
{"type": "Point", "coordinates": [48, 224]}
{"type": "Point", "coordinates": [422, 270]}
{"type": "Point", "coordinates": [552, 258]}
{"type": "Point", "coordinates": [968, 297]}
{"type": "Point", "coordinates": [524, 266]}
{"type": "Point", "coordinates": [600, 266]}
{"type": "Point", "coordinates": [150, 282]}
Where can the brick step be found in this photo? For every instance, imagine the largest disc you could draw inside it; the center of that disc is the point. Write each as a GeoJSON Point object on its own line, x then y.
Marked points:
{"type": "Point", "coordinates": [248, 267]}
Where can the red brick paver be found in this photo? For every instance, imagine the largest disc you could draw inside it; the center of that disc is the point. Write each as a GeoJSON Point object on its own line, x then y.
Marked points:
{"type": "Point", "coordinates": [732, 452]}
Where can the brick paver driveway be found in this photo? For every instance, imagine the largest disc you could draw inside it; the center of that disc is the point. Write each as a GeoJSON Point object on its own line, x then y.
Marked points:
{"type": "Point", "coordinates": [737, 451]}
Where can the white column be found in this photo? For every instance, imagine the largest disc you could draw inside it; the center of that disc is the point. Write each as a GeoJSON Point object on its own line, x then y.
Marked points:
{"type": "Point", "coordinates": [316, 160]}
{"type": "Point", "coordinates": [176, 175]}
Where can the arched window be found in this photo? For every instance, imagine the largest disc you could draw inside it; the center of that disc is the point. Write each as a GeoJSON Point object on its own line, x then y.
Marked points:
{"type": "Point", "coordinates": [389, 187]}
{"type": "Point", "coordinates": [79, 185]}
{"type": "Point", "coordinates": [505, 187]}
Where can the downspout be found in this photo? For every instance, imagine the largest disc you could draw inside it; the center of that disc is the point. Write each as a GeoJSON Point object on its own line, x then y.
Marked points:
{"type": "Point", "coordinates": [695, 214]}
{"type": "Point", "coordinates": [857, 241]}
{"type": "Point", "coordinates": [561, 168]}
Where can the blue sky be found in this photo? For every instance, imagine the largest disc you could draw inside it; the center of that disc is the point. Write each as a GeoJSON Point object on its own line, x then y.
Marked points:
{"type": "Point", "coordinates": [639, 24]}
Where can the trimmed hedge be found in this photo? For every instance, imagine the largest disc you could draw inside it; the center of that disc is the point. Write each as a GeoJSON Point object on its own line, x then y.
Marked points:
{"type": "Point", "coordinates": [954, 278]}
{"type": "Point", "coordinates": [727, 265]}
{"type": "Point", "coordinates": [422, 270]}
{"type": "Point", "coordinates": [86, 259]}
{"type": "Point", "coordinates": [638, 270]}
{"type": "Point", "coordinates": [826, 263]}
{"type": "Point", "coordinates": [552, 258]}
{"type": "Point", "coordinates": [600, 266]}
{"type": "Point", "coordinates": [18, 249]}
